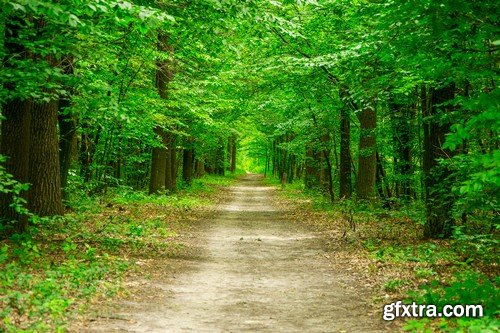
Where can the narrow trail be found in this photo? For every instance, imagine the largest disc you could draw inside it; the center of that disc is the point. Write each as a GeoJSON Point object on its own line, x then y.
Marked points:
{"type": "Point", "coordinates": [259, 273]}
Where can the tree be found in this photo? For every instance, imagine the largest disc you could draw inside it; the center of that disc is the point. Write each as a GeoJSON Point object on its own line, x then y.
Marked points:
{"type": "Point", "coordinates": [367, 162]}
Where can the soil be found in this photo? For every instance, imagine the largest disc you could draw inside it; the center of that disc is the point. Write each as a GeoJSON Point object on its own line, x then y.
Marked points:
{"type": "Point", "coordinates": [256, 272]}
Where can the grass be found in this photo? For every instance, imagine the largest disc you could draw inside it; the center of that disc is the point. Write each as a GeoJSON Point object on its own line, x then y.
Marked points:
{"type": "Point", "coordinates": [57, 268]}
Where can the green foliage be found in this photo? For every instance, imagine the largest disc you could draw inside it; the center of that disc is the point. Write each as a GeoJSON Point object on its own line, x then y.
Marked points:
{"type": "Point", "coordinates": [393, 285]}
{"type": "Point", "coordinates": [38, 286]}
{"type": "Point", "coordinates": [478, 248]}
{"type": "Point", "coordinates": [467, 287]}
{"type": "Point", "coordinates": [12, 189]}
{"type": "Point", "coordinates": [423, 253]}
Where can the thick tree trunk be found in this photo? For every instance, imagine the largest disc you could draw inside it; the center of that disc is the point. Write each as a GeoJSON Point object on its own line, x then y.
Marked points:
{"type": "Point", "coordinates": [163, 159]}
{"type": "Point", "coordinates": [171, 164]}
{"type": "Point", "coordinates": [367, 162]}
{"type": "Point", "coordinates": [199, 168]}
{"type": "Point", "coordinates": [67, 127]}
{"type": "Point", "coordinates": [345, 155]}
{"type": "Point", "coordinates": [158, 164]}
{"type": "Point", "coordinates": [67, 132]}
{"type": "Point", "coordinates": [187, 165]}
{"type": "Point", "coordinates": [438, 198]}
{"type": "Point", "coordinates": [45, 193]}
{"type": "Point", "coordinates": [164, 68]}
{"type": "Point", "coordinates": [15, 144]}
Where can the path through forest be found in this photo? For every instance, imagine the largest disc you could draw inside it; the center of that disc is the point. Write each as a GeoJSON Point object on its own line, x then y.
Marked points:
{"type": "Point", "coordinates": [257, 272]}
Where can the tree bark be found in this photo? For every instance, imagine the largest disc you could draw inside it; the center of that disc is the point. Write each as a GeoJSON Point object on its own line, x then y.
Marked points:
{"type": "Point", "coordinates": [345, 155]}
{"type": "Point", "coordinates": [187, 165]}
{"type": "Point", "coordinates": [163, 159]}
{"type": "Point", "coordinates": [438, 199]}
{"type": "Point", "coordinates": [15, 128]}
{"type": "Point", "coordinates": [171, 164]}
{"type": "Point", "coordinates": [367, 162]}
{"type": "Point", "coordinates": [199, 168]}
{"type": "Point", "coordinates": [15, 142]}
{"type": "Point", "coordinates": [158, 164]}
{"type": "Point", "coordinates": [45, 176]}
{"type": "Point", "coordinates": [67, 127]}
{"type": "Point", "coordinates": [67, 132]}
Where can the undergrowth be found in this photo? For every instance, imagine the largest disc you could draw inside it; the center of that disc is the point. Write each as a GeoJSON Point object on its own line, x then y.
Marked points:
{"type": "Point", "coordinates": [55, 269]}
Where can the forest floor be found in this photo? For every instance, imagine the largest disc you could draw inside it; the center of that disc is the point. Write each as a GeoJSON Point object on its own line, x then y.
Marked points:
{"type": "Point", "coordinates": [252, 267]}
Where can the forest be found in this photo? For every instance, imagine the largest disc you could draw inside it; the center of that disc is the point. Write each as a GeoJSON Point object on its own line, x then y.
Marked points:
{"type": "Point", "coordinates": [384, 116]}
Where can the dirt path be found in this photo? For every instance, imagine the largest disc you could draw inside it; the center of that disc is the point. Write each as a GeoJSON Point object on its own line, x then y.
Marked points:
{"type": "Point", "coordinates": [258, 273]}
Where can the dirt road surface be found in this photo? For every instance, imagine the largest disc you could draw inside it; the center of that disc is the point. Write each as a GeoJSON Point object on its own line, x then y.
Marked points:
{"type": "Point", "coordinates": [257, 272]}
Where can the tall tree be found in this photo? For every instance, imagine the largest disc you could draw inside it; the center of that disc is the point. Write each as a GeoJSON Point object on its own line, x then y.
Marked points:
{"type": "Point", "coordinates": [367, 160]}
{"type": "Point", "coordinates": [438, 197]}
{"type": "Point", "coordinates": [15, 127]}
{"type": "Point", "coordinates": [162, 163]}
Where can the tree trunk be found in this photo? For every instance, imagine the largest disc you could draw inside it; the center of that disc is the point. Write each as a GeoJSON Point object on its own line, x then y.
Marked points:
{"type": "Point", "coordinates": [67, 132]}
{"type": "Point", "coordinates": [367, 162]}
{"type": "Point", "coordinates": [187, 165]}
{"type": "Point", "coordinates": [67, 127]}
{"type": "Point", "coordinates": [15, 128]}
{"type": "Point", "coordinates": [171, 164]}
{"type": "Point", "coordinates": [44, 175]}
{"type": "Point", "coordinates": [438, 198]}
{"type": "Point", "coordinates": [345, 155]}
{"type": "Point", "coordinates": [232, 153]}
{"type": "Point", "coordinates": [158, 164]}
{"type": "Point", "coordinates": [199, 168]}
{"type": "Point", "coordinates": [163, 159]}
{"type": "Point", "coordinates": [15, 142]}
{"type": "Point", "coordinates": [164, 68]}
